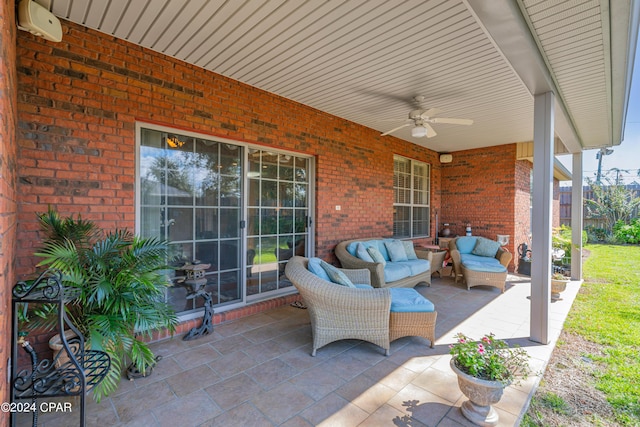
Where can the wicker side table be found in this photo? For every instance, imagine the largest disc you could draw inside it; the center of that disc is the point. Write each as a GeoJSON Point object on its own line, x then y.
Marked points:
{"type": "Point", "coordinates": [437, 262]}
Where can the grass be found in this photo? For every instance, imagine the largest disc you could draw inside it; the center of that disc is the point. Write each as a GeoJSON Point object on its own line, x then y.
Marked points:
{"type": "Point", "coordinates": [607, 312]}
{"type": "Point", "coordinates": [555, 403]}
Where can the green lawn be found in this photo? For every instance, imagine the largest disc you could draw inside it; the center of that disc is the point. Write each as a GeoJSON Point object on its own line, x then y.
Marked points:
{"type": "Point", "coordinates": [607, 312]}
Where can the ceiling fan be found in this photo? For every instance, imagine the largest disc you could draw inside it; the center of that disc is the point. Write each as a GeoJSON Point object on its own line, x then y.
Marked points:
{"type": "Point", "coordinates": [421, 121]}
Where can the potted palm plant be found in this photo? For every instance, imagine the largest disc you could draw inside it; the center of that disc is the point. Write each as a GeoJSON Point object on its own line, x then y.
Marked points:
{"type": "Point", "coordinates": [484, 369]}
{"type": "Point", "coordinates": [118, 285]}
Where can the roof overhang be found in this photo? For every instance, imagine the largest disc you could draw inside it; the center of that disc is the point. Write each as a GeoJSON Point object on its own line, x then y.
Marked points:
{"type": "Point", "coordinates": [364, 61]}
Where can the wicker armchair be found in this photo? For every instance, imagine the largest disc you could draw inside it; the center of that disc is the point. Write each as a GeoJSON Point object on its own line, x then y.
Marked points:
{"type": "Point", "coordinates": [478, 278]}
{"type": "Point", "coordinates": [338, 312]}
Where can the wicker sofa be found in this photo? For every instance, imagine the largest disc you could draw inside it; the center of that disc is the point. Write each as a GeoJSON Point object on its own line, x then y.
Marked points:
{"type": "Point", "coordinates": [476, 265]}
{"type": "Point", "coordinates": [417, 271]}
{"type": "Point", "coordinates": [338, 312]}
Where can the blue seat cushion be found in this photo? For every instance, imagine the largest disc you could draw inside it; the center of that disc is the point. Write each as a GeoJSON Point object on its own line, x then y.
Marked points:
{"type": "Point", "coordinates": [408, 300]}
{"type": "Point", "coordinates": [417, 266]}
{"type": "Point", "coordinates": [466, 244]}
{"type": "Point", "coordinates": [396, 271]}
{"type": "Point", "coordinates": [482, 264]}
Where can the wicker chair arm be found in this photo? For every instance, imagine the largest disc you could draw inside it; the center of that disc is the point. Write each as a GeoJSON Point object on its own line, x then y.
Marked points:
{"type": "Point", "coordinates": [346, 304]}
{"type": "Point", "coordinates": [361, 276]}
{"type": "Point", "coordinates": [455, 256]}
{"type": "Point", "coordinates": [457, 262]}
{"type": "Point", "coordinates": [504, 257]}
{"type": "Point", "coordinates": [423, 254]}
{"type": "Point", "coordinates": [349, 261]}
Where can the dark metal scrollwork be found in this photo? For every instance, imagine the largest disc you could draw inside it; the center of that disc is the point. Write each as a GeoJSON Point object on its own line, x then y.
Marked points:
{"type": "Point", "coordinates": [74, 370]}
{"type": "Point", "coordinates": [48, 286]}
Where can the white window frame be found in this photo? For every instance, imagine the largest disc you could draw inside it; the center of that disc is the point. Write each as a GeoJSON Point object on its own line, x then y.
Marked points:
{"type": "Point", "coordinates": [246, 145]}
{"type": "Point", "coordinates": [412, 189]}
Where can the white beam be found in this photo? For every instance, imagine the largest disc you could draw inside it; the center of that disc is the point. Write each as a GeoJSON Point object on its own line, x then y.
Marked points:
{"type": "Point", "coordinates": [576, 217]}
{"type": "Point", "coordinates": [505, 25]}
{"type": "Point", "coordinates": [541, 222]}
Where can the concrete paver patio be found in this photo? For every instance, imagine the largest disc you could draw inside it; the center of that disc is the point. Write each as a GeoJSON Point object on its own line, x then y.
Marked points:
{"type": "Point", "coordinates": [257, 371]}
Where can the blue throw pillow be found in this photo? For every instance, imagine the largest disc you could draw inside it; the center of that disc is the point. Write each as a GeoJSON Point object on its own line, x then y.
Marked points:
{"type": "Point", "coordinates": [396, 251]}
{"type": "Point", "coordinates": [466, 244]}
{"type": "Point", "coordinates": [336, 275]}
{"type": "Point", "coordinates": [315, 267]}
{"type": "Point", "coordinates": [409, 249]}
{"type": "Point", "coordinates": [376, 255]}
{"type": "Point", "coordinates": [361, 252]}
{"type": "Point", "coordinates": [486, 247]}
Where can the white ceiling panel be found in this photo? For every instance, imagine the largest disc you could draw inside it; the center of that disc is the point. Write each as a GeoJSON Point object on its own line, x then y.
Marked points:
{"type": "Point", "coordinates": [365, 60]}
{"type": "Point", "coordinates": [579, 68]}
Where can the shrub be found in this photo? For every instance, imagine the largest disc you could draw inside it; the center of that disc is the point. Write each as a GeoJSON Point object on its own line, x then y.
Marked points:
{"type": "Point", "coordinates": [627, 233]}
{"type": "Point", "coordinates": [596, 234]}
{"type": "Point", "coordinates": [561, 239]}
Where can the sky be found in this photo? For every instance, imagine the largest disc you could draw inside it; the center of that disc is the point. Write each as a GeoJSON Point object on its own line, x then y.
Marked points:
{"type": "Point", "coordinates": [625, 156]}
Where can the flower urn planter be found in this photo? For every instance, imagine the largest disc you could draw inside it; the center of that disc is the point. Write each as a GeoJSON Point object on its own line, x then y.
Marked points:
{"type": "Point", "coordinates": [557, 286]}
{"type": "Point", "coordinates": [60, 357]}
{"type": "Point", "coordinates": [481, 394]}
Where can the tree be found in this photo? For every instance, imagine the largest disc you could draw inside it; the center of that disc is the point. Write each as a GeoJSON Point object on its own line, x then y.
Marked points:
{"type": "Point", "coordinates": [611, 203]}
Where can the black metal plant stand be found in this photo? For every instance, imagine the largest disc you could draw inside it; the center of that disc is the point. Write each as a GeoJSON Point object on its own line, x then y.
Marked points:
{"type": "Point", "coordinates": [72, 372]}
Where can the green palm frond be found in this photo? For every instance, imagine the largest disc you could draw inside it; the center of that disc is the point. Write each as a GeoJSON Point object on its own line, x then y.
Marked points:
{"type": "Point", "coordinates": [122, 288]}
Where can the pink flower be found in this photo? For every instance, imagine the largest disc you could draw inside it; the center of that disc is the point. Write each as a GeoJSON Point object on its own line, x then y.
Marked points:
{"type": "Point", "coordinates": [461, 341]}
{"type": "Point", "coordinates": [480, 349]}
{"type": "Point", "coordinates": [486, 339]}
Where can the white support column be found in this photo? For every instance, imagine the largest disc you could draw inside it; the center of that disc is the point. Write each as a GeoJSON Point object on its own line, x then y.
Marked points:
{"type": "Point", "coordinates": [543, 144]}
{"type": "Point", "coordinates": [577, 215]}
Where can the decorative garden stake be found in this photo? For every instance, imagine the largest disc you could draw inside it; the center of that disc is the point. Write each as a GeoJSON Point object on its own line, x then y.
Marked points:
{"type": "Point", "coordinates": [195, 282]}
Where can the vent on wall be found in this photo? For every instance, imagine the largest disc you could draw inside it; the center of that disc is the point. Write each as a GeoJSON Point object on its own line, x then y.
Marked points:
{"type": "Point", "coordinates": [37, 19]}
{"type": "Point", "coordinates": [446, 158]}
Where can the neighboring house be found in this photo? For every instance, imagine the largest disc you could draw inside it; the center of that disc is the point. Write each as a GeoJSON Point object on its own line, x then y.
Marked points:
{"type": "Point", "coordinates": [246, 135]}
{"type": "Point", "coordinates": [589, 221]}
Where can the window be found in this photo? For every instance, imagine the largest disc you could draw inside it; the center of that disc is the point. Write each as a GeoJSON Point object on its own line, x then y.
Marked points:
{"type": "Point", "coordinates": [411, 187]}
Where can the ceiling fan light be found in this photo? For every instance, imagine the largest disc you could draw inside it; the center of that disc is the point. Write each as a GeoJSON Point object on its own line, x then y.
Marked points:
{"type": "Point", "coordinates": [419, 132]}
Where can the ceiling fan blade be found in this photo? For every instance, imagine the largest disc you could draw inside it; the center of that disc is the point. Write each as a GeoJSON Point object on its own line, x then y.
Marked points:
{"type": "Point", "coordinates": [429, 113]}
{"type": "Point", "coordinates": [388, 96]}
{"type": "Point", "coordinates": [430, 131]}
{"type": "Point", "coordinates": [395, 129]}
{"type": "Point", "coordinates": [452, 121]}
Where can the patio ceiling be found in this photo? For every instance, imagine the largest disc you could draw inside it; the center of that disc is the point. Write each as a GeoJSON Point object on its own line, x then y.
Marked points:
{"type": "Point", "coordinates": [364, 60]}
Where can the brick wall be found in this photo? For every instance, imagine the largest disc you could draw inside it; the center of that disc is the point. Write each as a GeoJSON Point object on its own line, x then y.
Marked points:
{"type": "Point", "coordinates": [8, 111]}
{"type": "Point", "coordinates": [491, 190]}
{"type": "Point", "coordinates": [78, 104]}
{"type": "Point", "coordinates": [522, 206]}
{"type": "Point", "coordinates": [479, 188]}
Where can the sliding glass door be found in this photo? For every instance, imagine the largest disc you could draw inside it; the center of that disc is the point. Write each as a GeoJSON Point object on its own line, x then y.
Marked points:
{"type": "Point", "coordinates": [240, 211]}
{"type": "Point", "coordinates": [277, 217]}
